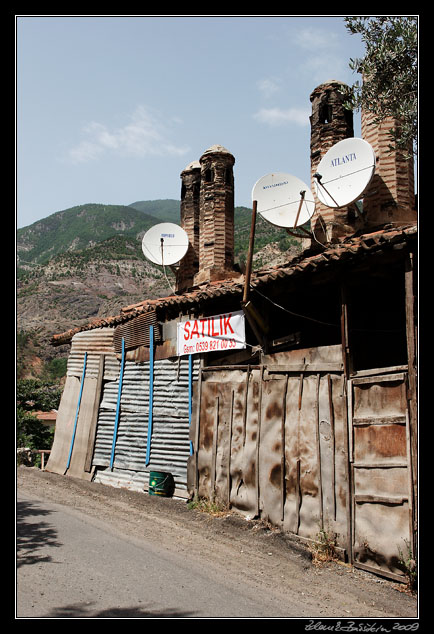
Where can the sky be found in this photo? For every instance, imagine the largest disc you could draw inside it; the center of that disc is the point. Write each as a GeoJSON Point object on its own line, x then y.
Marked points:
{"type": "Point", "coordinates": [111, 109]}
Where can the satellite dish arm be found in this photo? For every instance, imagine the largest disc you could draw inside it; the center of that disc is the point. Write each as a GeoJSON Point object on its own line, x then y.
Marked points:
{"type": "Point", "coordinates": [318, 178]}
{"type": "Point", "coordinates": [302, 194]}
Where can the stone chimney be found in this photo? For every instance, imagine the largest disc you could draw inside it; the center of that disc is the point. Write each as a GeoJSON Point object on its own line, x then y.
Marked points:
{"type": "Point", "coordinates": [190, 206]}
{"type": "Point", "coordinates": [330, 123]}
{"type": "Point", "coordinates": [390, 197]}
{"type": "Point", "coordinates": [216, 216]}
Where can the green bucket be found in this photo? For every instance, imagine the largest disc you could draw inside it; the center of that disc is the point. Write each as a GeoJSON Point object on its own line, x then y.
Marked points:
{"type": "Point", "coordinates": [161, 483]}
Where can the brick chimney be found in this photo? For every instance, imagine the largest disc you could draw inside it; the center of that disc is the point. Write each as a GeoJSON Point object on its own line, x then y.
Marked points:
{"type": "Point", "coordinates": [330, 123]}
{"type": "Point", "coordinates": [390, 197]}
{"type": "Point", "coordinates": [190, 206]}
{"type": "Point", "coordinates": [216, 216]}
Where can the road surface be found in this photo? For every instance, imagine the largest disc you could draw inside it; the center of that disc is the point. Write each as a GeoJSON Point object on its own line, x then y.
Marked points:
{"type": "Point", "coordinates": [85, 550]}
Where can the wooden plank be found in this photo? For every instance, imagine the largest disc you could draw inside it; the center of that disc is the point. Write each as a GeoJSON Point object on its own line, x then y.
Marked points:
{"type": "Point", "coordinates": [382, 571]}
{"type": "Point", "coordinates": [379, 420]}
{"type": "Point", "coordinates": [348, 471]}
{"type": "Point", "coordinates": [412, 375]}
{"type": "Point", "coordinates": [305, 367]}
{"type": "Point", "coordinates": [318, 446]}
{"type": "Point", "coordinates": [380, 499]}
{"type": "Point", "coordinates": [282, 462]}
{"type": "Point", "coordinates": [214, 449]}
{"type": "Point", "coordinates": [231, 416]}
{"type": "Point", "coordinates": [297, 497]}
{"type": "Point", "coordinates": [245, 406]}
{"type": "Point", "coordinates": [383, 378]}
{"type": "Point", "coordinates": [373, 371]}
{"type": "Point", "coordinates": [332, 430]}
{"type": "Point", "coordinates": [94, 421]}
{"type": "Point", "coordinates": [258, 440]}
{"type": "Point", "coordinates": [197, 430]}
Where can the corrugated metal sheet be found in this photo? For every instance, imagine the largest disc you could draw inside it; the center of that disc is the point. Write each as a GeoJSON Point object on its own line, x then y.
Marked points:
{"type": "Point", "coordinates": [95, 343]}
{"type": "Point", "coordinates": [170, 445]}
{"type": "Point", "coordinates": [136, 331]}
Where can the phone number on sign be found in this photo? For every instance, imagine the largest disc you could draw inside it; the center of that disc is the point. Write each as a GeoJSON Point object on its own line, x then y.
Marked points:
{"type": "Point", "coordinates": [206, 346]}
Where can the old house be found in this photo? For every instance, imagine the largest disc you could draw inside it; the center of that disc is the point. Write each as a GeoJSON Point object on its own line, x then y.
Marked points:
{"type": "Point", "coordinates": [311, 423]}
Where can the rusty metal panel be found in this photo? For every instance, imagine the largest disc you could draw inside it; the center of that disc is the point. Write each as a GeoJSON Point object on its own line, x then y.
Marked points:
{"type": "Point", "coordinates": [276, 447]}
{"type": "Point", "coordinates": [136, 331]}
{"type": "Point", "coordinates": [381, 474]}
{"type": "Point", "coordinates": [245, 431]}
{"type": "Point", "coordinates": [270, 449]}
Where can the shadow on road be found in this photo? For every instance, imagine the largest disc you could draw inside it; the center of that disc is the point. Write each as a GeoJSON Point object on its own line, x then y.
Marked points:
{"type": "Point", "coordinates": [33, 535]}
{"type": "Point", "coordinates": [83, 611]}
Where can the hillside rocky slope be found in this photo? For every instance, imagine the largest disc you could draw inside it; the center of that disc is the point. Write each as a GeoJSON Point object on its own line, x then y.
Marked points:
{"type": "Point", "coordinates": [86, 262]}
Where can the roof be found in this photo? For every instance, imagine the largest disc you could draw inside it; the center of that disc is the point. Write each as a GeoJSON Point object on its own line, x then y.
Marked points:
{"type": "Point", "coordinates": [348, 250]}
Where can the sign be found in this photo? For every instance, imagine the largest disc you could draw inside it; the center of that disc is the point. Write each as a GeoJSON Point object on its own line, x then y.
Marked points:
{"type": "Point", "coordinates": [219, 333]}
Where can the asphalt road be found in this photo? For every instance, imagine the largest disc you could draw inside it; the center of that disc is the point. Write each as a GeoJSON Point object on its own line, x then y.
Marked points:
{"type": "Point", "coordinates": [85, 550]}
{"type": "Point", "coordinates": [71, 567]}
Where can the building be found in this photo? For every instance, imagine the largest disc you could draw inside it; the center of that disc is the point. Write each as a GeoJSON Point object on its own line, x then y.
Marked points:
{"type": "Point", "coordinates": [313, 424]}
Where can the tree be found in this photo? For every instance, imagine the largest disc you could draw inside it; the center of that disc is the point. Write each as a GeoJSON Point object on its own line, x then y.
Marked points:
{"type": "Point", "coordinates": [33, 395]}
{"type": "Point", "coordinates": [389, 70]}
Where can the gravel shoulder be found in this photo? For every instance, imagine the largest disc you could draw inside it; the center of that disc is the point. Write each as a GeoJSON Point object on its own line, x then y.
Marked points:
{"type": "Point", "coordinates": [249, 551]}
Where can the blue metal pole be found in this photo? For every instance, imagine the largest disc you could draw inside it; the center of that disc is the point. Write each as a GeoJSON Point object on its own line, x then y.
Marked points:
{"type": "Point", "coordinates": [190, 395]}
{"type": "Point", "coordinates": [118, 405]}
{"type": "Point", "coordinates": [78, 409]}
{"type": "Point", "coordinates": [151, 393]}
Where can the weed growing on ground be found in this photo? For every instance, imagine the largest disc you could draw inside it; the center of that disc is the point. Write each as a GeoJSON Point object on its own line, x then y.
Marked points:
{"type": "Point", "coordinates": [323, 549]}
{"type": "Point", "coordinates": [205, 505]}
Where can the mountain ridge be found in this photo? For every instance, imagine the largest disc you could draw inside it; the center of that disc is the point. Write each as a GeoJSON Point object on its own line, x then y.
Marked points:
{"type": "Point", "coordinates": [86, 262]}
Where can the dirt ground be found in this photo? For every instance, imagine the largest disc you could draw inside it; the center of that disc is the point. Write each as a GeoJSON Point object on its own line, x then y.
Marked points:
{"type": "Point", "coordinates": [244, 549]}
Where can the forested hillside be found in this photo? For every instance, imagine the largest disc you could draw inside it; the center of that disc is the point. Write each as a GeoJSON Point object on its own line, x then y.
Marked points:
{"type": "Point", "coordinates": [87, 262]}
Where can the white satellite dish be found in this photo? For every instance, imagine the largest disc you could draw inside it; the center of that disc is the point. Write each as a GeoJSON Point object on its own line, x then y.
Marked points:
{"type": "Point", "coordinates": [344, 172]}
{"type": "Point", "coordinates": [283, 200]}
{"type": "Point", "coordinates": [165, 244]}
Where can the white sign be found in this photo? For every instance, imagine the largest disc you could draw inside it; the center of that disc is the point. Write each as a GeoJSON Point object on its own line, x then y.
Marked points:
{"type": "Point", "coordinates": [212, 334]}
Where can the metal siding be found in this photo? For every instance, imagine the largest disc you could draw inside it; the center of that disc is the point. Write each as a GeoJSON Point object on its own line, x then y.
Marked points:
{"type": "Point", "coordinates": [95, 343]}
{"type": "Point", "coordinates": [170, 443]}
{"type": "Point", "coordinates": [382, 493]}
{"type": "Point", "coordinates": [280, 447]}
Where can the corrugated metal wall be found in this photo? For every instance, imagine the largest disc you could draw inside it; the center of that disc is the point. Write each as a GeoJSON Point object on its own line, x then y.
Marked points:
{"type": "Point", "coordinates": [170, 443]}
{"type": "Point", "coordinates": [94, 342]}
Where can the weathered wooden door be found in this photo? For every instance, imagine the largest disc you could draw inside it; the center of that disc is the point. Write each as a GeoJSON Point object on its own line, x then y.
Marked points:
{"type": "Point", "coordinates": [380, 459]}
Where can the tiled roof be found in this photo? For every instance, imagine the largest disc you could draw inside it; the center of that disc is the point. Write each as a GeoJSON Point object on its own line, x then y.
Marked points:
{"type": "Point", "coordinates": [348, 249]}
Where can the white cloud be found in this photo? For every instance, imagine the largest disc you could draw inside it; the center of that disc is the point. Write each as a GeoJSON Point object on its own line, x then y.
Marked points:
{"type": "Point", "coordinates": [268, 87]}
{"type": "Point", "coordinates": [315, 39]}
{"type": "Point", "coordinates": [280, 116]}
{"type": "Point", "coordinates": [323, 58]}
{"type": "Point", "coordinates": [144, 135]}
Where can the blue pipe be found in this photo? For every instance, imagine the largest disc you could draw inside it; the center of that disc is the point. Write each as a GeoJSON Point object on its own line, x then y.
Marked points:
{"type": "Point", "coordinates": [151, 393]}
{"type": "Point", "coordinates": [78, 409]}
{"type": "Point", "coordinates": [118, 405]}
{"type": "Point", "coordinates": [190, 395]}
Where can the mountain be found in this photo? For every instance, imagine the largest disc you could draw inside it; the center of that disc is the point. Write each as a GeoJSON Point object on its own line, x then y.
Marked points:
{"type": "Point", "coordinates": [78, 228]}
{"type": "Point", "coordinates": [86, 262]}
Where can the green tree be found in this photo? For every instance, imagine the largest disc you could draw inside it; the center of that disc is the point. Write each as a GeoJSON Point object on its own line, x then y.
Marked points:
{"type": "Point", "coordinates": [389, 71]}
{"type": "Point", "coordinates": [34, 395]}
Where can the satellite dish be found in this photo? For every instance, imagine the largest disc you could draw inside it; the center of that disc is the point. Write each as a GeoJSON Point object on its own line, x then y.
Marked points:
{"type": "Point", "coordinates": [283, 200]}
{"type": "Point", "coordinates": [344, 172]}
{"type": "Point", "coordinates": [165, 244]}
